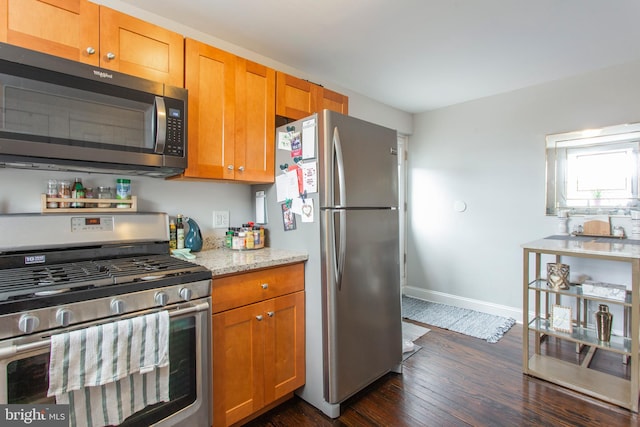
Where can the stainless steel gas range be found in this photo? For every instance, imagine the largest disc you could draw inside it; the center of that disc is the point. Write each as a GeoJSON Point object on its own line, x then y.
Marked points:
{"type": "Point", "coordinates": [66, 272]}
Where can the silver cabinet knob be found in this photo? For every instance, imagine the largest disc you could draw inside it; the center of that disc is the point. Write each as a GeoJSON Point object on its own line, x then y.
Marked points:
{"type": "Point", "coordinates": [265, 286]}
{"type": "Point", "coordinates": [259, 317]}
{"type": "Point", "coordinates": [91, 50]}
{"type": "Point", "coordinates": [241, 168]}
{"type": "Point", "coordinates": [63, 317]}
{"type": "Point", "coordinates": [111, 55]}
{"type": "Point", "coordinates": [161, 298]}
{"type": "Point", "coordinates": [230, 167]}
{"type": "Point", "coordinates": [185, 294]}
{"type": "Point", "coordinates": [270, 313]}
{"type": "Point", "coordinates": [117, 306]}
{"type": "Point", "coordinates": [28, 323]}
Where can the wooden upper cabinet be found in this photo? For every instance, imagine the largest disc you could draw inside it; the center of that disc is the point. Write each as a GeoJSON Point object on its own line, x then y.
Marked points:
{"type": "Point", "coordinates": [333, 101]}
{"type": "Point", "coordinates": [132, 46]}
{"type": "Point", "coordinates": [210, 78]}
{"type": "Point", "coordinates": [231, 128]}
{"type": "Point", "coordinates": [65, 28]}
{"type": "Point", "coordinates": [297, 98]}
{"type": "Point", "coordinates": [85, 32]}
{"type": "Point", "coordinates": [255, 122]}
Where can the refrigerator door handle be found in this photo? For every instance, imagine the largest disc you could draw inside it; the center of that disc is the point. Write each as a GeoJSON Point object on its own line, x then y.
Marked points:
{"type": "Point", "coordinates": [339, 172]}
{"type": "Point", "coordinates": [342, 242]}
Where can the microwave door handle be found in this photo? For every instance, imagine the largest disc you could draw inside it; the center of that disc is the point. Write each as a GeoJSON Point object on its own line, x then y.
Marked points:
{"type": "Point", "coordinates": [160, 124]}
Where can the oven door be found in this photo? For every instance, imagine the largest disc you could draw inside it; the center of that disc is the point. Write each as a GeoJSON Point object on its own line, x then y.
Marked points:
{"type": "Point", "coordinates": [24, 371]}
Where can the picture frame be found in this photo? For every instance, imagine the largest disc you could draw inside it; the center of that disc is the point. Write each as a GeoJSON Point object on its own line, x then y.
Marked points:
{"type": "Point", "coordinates": [288, 217]}
{"type": "Point", "coordinates": [561, 318]}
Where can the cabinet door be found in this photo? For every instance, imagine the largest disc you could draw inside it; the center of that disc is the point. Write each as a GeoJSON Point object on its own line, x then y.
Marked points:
{"type": "Point", "coordinates": [210, 79]}
{"type": "Point", "coordinates": [255, 122]}
{"type": "Point", "coordinates": [333, 101]}
{"type": "Point", "coordinates": [295, 98]}
{"type": "Point", "coordinates": [132, 46]}
{"type": "Point", "coordinates": [284, 345]}
{"type": "Point", "coordinates": [69, 29]}
{"type": "Point", "coordinates": [238, 358]}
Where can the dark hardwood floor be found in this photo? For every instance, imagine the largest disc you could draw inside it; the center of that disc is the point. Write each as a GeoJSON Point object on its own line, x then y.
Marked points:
{"type": "Point", "coordinates": [456, 380]}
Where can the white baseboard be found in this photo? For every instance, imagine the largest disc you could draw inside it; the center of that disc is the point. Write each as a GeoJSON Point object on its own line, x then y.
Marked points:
{"type": "Point", "coordinates": [457, 301]}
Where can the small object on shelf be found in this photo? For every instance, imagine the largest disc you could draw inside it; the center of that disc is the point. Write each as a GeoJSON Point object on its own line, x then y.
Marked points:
{"type": "Point", "coordinates": [561, 319]}
{"type": "Point", "coordinates": [104, 193]}
{"type": "Point", "coordinates": [604, 290]}
{"type": "Point", "coordinates": [52, 192]}
{"type": "Point", "coordinates": [123, 191]}
{"type": "Point", "coordinates": [558, 275]}
{"type": "Point", "coordinates": [604, 321]}
{"type": "Point", "coordinates": [618, 231]}
{"type": "Point", "coordinates": [64, 192]}
{"type": "Point", "coordinates": [77, 192]}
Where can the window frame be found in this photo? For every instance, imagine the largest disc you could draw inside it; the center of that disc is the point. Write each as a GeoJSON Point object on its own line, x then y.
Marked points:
{"type": "Point", "coordinates": [605, 140]}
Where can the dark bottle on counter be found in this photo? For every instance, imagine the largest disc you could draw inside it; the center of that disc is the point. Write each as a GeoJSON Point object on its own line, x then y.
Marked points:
{"type": "Point", "coordinates": [179, 232]}
{"type": "Point", "coordinates": [173, 235]}
{"type": "Point", "coordinates": [77, 192]}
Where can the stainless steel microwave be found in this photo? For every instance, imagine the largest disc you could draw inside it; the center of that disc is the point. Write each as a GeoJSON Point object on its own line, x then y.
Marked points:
{"type": "Point", "coordinates": [57, 114]}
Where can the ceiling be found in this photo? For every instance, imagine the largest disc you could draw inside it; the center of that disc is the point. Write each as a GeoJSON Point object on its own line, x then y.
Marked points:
{"type": "Point", "coordinates": [419, 55]}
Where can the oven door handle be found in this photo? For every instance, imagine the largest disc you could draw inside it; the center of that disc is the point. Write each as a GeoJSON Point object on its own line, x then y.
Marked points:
{"type": "Point", "coordinates": [12, 350]}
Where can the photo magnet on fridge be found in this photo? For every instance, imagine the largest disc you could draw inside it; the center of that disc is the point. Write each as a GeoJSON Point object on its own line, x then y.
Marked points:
{"type": "Point", "coordinates": [288, 217]}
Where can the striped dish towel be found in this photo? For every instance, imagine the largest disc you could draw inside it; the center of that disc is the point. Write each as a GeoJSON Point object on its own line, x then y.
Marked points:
{"type": "Point", "coordinates": [108, 372]}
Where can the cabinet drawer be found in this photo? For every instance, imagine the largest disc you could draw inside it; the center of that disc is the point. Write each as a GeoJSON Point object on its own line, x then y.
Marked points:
{"type": "Point", "coordinates": [246, 288]}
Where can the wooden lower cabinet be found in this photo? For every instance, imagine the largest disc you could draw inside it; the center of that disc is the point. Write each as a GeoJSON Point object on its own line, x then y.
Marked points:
{"type": "Point", "coordinates": [258, 353]}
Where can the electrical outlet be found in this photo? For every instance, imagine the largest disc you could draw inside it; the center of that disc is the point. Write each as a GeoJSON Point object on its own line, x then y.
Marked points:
{"type": "Point", "coordinates": [220, 219]}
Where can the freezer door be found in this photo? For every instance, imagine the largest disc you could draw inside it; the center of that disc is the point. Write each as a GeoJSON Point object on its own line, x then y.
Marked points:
{"type": "Point", "coordinates": [359, 162]}
{"type": "Point", "coordinates": [362, 322]}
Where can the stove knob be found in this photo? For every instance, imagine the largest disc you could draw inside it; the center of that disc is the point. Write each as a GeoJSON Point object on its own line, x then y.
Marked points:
{"type": "Point", "coordinates": [117, 306]}
{"type": "Point", "coordinates": [185, 294]}
{"type": "Point", "coordinates": [63, 317]}
{"type": "Point", "coordinates": [162, 298]}
{"type": "Point", "coordinates": [28, 323]}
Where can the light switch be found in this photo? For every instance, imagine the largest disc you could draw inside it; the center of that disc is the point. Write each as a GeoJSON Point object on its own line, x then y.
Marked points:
{"type": "Point", "coordinates": [220, 219]}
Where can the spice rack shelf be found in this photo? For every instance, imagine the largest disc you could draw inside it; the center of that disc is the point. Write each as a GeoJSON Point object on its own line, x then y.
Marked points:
{"type": "Point", "coordinates": [537, 299]}
{"type": "Point", "coordinates": [132, 205]}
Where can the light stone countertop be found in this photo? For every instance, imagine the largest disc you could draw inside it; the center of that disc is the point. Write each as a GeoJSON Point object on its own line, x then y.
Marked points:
{"type": "Point", "coordinates": [605, 247]}
{"type": "Point", "coordinates": [226, 261]}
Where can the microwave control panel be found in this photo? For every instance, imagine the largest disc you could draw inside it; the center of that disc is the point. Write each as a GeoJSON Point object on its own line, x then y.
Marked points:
{"type": "Point", "coordinates": [174, 145]}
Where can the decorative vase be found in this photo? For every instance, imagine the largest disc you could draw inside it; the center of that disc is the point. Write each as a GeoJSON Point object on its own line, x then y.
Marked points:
{"type": "Point", "coordinates": [193, 238]}
{"type": "Point", "coordinates": [558, 275]}
{"type": "Point", "coordinates": [604, 321]}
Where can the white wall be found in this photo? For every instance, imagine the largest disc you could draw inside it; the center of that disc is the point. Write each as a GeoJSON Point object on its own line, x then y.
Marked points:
{"type": "Point", "coordinates": [20, 190]}
{"type": "Point", "coordinates": [489, 153]}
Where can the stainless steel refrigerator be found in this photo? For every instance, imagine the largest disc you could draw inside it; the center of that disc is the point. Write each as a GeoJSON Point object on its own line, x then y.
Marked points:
{"type": "Point", "coordinates": [352, 276]}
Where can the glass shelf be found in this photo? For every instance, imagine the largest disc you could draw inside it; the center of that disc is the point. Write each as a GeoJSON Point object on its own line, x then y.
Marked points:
{"type": "Point", "coordinates": [576, 292]}
{"type": "Point", "coordinates": [586, 336]}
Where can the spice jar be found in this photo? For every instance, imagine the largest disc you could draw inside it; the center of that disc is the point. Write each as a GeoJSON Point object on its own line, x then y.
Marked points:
{"type": "Point", "coordinates": [64, 192]}
{"type": "Point", "coordinates": [52, 192]}
{"type": "Point", "coordinates": [89, 194]}
{"type": "Point", "coordinates": [123, 191]}
{"type": "Point", "coordinates": [104, 193]}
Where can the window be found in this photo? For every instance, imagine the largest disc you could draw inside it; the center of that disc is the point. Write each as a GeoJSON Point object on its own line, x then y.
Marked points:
{"type": "Point", "coordinates": [593, 171]}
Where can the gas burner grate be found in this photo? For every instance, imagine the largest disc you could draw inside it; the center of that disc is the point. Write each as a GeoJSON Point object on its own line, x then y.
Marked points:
{"type": "Point", "coordinates": [18, 283]}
